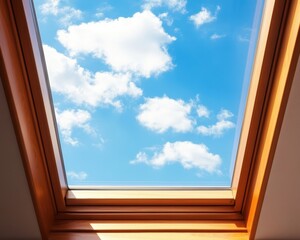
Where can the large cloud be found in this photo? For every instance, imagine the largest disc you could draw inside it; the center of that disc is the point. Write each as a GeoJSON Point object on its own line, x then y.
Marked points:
{"type": "Point", "coordinates": [161, 114]}
{"type": "Point", "coordinates": [80, 86]}
{"type": "Point", "coordinates": [175, 5]}
{"type": "Point", "coordinates": [136, 44]}
{"type": "Point", "coordinates": [188, 154]}
{"type": "Point", "coordinates": [220, 126]}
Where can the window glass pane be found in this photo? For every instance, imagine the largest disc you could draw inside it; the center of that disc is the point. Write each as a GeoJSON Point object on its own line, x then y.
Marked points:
{"type": "Point", "coordinates": [149, 92]}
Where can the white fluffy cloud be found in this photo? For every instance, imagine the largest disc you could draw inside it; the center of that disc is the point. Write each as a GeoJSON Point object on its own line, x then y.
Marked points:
{"type": "Point", "coordinates": [204, 16]}
{"type": "Point", "coordinates": [175, 5]}
{"type": "Point", "coordinates": [218, 128]}
{"type": "Point", "coordinates": [188, 154]}
{"type": "Point", "coordinates": [65, 13]}
{"type": "Point", "coordinates": [161, 114]}
{"type": "Point", "coordinates": [80, 176]}
{"type": "Point", "coordinates": [80, 86]}
{"type": "Point", "coordinates": [67, 120]}
{"type": "Point", "coordinates": [136, 44]}
{"type": "Point", "coordinates": [202, 111]}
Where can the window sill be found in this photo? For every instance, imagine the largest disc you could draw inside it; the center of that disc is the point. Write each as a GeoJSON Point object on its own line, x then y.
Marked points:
{"type": "Point", "coordinates": [149, 197]}
{"type": "Point", "coordinates": [149, 236]}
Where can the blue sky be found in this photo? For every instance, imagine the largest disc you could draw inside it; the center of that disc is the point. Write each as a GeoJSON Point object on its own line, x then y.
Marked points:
{"type": "Point", "coordinates": [149, 92]}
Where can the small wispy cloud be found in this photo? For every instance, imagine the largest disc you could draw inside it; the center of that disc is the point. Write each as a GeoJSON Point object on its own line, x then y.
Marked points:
{"type": "Point", "coordinates": [100, 143]}
{"type": "Point", "coordinates": [244, 35]}
{"type": "Point", "coordinates": [204, 16]}
{"type": "Point", "coordinates": [217, 36]}
{"type": "Point", "coordinates": [79, 176]}
{"type": "Point", "coordinates": [103, 9]}
{"type": "Point", "coordinates": [203, 111]}
{"type": "Point", "coordinates": [224, 114]}
{"type": "Point", "coordinates": [50, 7]}
{"type": "Point", "coordinates": [69, 119]}
{"type": "Point", "coordinates": [244, 38]}
{"type": "Point", "coordinates": [160, 114]}
{"type": "Point", "coordinates": [175, 5]}
{"type": "Point", "coordinates": [65, 14]}
{"type": "Point", "coordinates": [166, 18]}
{"type": "Point", "coordinates": [187, 154]}
{"type": "Point", "coordinates": [220, 127]}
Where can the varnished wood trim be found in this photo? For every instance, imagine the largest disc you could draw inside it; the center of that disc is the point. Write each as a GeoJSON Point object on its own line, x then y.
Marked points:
{"type": "Point", "coordinates": [17, 89]}
{"type": "Point", "coordinates": [39, 85]}
{"type": "Point", "coordinates": [149, 209]}
{"type": "Point", "coordinates": [261, 80]}
{"type": "Point", "coordinates": [150, 204]}
{"type": "Point", "coordinates": [150, 216]}
{"type": "Point", "coordinates": [283, 77]}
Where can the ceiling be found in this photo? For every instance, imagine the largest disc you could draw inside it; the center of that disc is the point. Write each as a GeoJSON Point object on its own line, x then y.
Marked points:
{"type": "Point", "coordinates": [279, 218]}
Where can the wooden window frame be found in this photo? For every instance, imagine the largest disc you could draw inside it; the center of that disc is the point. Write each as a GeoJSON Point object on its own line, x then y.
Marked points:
{"type": "Point", "coordinates": [134, 214]}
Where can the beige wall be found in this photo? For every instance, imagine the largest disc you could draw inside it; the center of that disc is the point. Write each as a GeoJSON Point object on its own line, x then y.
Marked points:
{"type": "Point", "coordinates": [17, 216]}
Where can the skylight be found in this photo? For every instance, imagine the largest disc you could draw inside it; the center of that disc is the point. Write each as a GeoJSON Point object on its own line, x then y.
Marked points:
{"type": "Point", "coordinates": [149, 93]}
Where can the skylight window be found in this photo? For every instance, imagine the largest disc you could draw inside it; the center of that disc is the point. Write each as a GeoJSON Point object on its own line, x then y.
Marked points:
{"type": "Point", "coordinates": [149, 93]}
